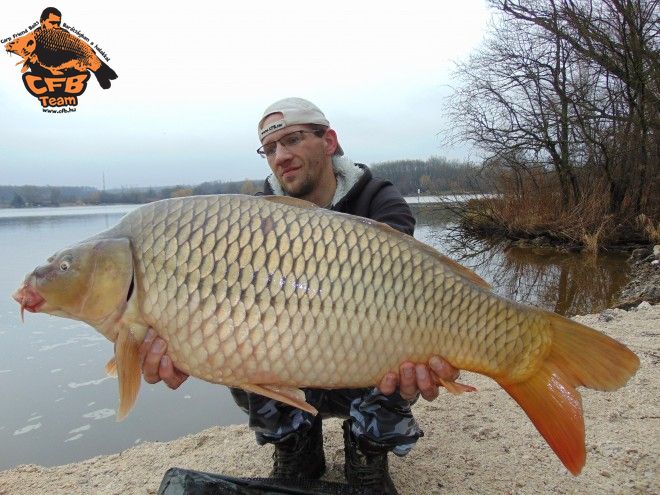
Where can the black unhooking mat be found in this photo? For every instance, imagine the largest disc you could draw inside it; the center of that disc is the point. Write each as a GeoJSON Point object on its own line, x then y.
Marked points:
{"type": "Point", "coordinates": [178, 481]}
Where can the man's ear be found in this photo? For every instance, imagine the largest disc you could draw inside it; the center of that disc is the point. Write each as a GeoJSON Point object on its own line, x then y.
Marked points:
{"type": "Point", "coordinates": [331, 142]}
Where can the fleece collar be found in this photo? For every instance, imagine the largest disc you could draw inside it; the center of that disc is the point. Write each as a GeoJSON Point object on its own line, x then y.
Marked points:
{"type": "Point", "coordinates": [348, 175]}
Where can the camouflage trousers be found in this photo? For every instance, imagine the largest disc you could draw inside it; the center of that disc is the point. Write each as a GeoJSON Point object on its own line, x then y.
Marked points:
{"type": "Point", "coordinates": [384, 419]}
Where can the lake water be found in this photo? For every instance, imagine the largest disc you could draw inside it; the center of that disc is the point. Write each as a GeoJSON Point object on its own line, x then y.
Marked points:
{"type": "Point", "coordinates": [568, 284]}
{"type": "Point", "coordinates": [58, 406]}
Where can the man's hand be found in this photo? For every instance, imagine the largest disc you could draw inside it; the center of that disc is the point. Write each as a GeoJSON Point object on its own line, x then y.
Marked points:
{"type": "Point", "coordinates": [418, 378]}
{"type": "Point", "coordinates": [156, 365]}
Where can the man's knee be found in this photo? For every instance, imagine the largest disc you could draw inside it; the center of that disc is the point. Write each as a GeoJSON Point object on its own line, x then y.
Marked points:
{"type": "Point", "coordinates": [385, 420]}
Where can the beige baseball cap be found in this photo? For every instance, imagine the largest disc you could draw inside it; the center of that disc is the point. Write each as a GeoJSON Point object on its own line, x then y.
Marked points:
{"type": "Point", "coordinates": [294, 111]}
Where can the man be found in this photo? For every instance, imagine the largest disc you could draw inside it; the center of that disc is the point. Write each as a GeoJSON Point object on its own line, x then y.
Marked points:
{"type": "Point", "coordinates": [307, 162]}
{"type": "Point", "coordinates": [51, 18]}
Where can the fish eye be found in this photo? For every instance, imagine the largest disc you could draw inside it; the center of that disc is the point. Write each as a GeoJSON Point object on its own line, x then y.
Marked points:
{"type": "Point", "coordinates": [64, 265]}
{"type": "Point", "coordinates": [29, 43]}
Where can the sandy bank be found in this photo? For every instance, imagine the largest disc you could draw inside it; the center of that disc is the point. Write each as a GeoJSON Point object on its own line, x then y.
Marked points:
{"type": "Point", "coordinates": [475, 443]}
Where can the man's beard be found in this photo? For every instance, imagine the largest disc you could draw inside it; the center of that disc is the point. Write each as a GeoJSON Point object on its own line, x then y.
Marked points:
{"type": "Point", "coordinates": [308, 184]}
{"type": "Point", "coordinates": [303, 190]}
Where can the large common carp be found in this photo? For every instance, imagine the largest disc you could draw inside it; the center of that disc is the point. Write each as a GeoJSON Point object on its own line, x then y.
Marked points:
{"type": "Point", "coordinates": [272, 293]}
{"type": "Point", "coordinates": [57, 51]}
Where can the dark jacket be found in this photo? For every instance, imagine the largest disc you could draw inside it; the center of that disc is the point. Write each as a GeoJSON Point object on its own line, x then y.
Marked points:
{"type": "Point", "coordinates": [366, 196]}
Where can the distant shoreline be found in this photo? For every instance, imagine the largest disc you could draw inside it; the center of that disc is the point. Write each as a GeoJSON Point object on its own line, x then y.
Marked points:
{"type": "Point", "coordinates": [411, 199]}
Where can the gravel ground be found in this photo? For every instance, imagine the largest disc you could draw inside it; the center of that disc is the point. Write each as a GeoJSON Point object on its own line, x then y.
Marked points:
{"type": "Point", "coordinates": [475, 443]}
{"type": "Point", "coordinates": [644, 282]}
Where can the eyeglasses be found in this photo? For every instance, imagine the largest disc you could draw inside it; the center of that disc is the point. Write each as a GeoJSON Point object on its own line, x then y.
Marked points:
{"type": "Point", "coordinates": [291, 140]}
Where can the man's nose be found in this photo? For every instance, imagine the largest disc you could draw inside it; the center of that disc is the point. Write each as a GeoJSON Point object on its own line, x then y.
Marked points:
{"type": "Point", "coordinates": [281, 153]}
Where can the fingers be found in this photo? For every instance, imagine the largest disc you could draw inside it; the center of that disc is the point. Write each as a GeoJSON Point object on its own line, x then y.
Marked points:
{"type": "Point", "coordinates": [172, 377]}
{"type": "Point", "coordinates": [419, 379]}
{"type": "Point", "coordinates": [416, 379]}
{"type": "Point", "coordinates": [412, 380]}
{"type": "Point", "coordinates": [443, 369]}
{"type": "Point", "coordinates": [146, 343]}
{"type": "Point", "coordinates": [156, 365]}
{"type": "Point", "coordinates": [408, 381]}
{"type": "Point", "coordinates": [152, 359]}
{"type": "Point", "coordinates": [388, 384]}
{"type": "Point", "coordinates": [425, 383]}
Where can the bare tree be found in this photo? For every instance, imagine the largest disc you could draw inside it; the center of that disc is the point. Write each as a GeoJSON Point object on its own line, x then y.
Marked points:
{"type": "Point", "coordinates": [516, 102]}
{"type": "Point", "coordinates": [248, 187]}
{"type": "Point", "coordinates": [619, 40]}
{"type": "Point", "coordinates": [571, 87]}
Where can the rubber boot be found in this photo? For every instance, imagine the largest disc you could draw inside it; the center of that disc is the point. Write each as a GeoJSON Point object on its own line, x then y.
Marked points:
{"type": "Point", "coordinates": [366, 466]}
{"type": "Point", "coordinates": [300, 455]}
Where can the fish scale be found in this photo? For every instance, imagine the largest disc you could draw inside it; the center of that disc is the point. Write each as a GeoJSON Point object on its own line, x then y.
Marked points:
{"type": "Point", "coordinates": [61, 40]}
{"type": "Point", "coordinates": [272, 294]}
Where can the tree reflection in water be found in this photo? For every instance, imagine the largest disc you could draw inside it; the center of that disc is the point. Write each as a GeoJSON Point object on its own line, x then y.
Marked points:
{"type": "Point", "coordinates": [566, 283]}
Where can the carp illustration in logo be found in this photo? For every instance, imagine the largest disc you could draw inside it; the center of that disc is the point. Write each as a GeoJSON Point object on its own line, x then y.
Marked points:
{"type": "Point", "coordinates": [51, 50]}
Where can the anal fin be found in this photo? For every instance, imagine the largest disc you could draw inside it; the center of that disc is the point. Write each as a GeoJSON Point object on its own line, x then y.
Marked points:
{"type": "Point", "coordinates": [455, 388]}
{"type": "Point", "coordinates": [288, 395]}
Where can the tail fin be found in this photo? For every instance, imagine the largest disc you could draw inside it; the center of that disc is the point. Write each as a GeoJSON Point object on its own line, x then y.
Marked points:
{"type": "Point", "coordinates": [579, 356]}
{"type": "Point", "coordinates": [104, 74]}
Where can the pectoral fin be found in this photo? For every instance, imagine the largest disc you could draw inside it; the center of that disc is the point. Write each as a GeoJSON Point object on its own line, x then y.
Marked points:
{"type": "Point", "coordinates": [128, 370]}
{"type": "Point", "coordinates": [111, 367]}
{"type": "Point", "coordinates": [289, 395]}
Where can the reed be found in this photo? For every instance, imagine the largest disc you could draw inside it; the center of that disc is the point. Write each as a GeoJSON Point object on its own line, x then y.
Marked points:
{"type": "Point", "coordinates": [532, 206]}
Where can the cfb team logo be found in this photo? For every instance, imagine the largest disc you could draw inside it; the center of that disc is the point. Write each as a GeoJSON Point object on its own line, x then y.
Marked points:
{"type": "Point", "coordinates": [56, 64]}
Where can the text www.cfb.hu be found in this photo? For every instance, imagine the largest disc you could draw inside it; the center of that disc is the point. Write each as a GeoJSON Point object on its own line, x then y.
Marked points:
{"type": "Point", "coordinates": [61, 110]}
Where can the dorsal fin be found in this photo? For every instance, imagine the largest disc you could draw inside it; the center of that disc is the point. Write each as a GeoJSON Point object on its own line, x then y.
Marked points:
{"type": "Point", "coordinates": [289, 201]}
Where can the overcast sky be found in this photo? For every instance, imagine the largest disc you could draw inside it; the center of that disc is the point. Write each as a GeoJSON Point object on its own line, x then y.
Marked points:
{"type": "Point", "coordinates": [195, 77]}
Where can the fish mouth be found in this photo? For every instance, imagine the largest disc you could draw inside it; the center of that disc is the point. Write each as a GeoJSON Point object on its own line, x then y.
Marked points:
{"type": "Point", "coordinates": [28, 297]}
